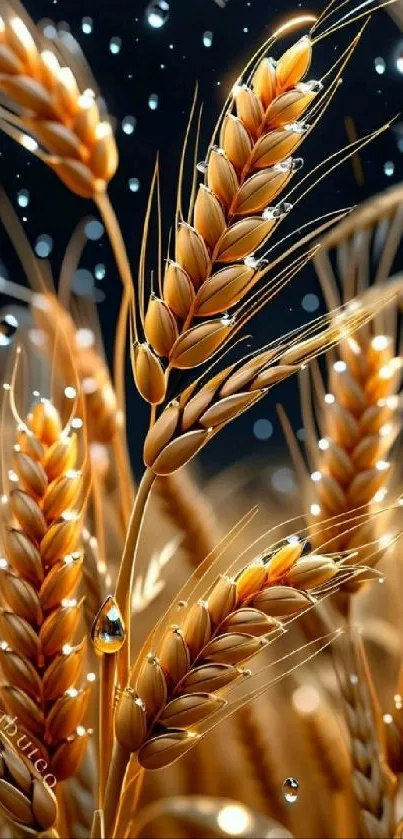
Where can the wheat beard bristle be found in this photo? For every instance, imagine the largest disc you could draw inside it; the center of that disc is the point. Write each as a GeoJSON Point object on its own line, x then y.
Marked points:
{"type": "Point", "coordinates": [357, 430]}
{"type": "Point", "coordinates": [41, 666]}
{"type": "Point", "coordinates": [178, 689]}
{"type": "Point", "coordinates": [53, 111]}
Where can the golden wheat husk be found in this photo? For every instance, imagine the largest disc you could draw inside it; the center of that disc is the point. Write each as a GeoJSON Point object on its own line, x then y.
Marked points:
{"type": "Point", "coordinates": [373, 783]}
{"type": "Point", "coordinates": [41, 662]}
{"type": "Point", "coordinates": [48, 112]}
{"type": "Point", "coordinates": [25, 799]}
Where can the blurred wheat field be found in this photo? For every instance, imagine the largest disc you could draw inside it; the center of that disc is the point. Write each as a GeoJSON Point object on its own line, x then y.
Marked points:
{"type": "Point", "coordinates": [184, 657]}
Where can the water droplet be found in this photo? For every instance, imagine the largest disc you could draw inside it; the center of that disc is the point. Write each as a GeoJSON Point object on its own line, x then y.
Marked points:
{"type": "Point", "coordinates": [99, 271]}
{"type": "Point", "coordinates": [291, 790]}
{"type": "Point", "coordinates": [8, 328]}
{"type": "Point", "coordinates": [43, 245]}
{"type": "Point", "coordinates": [94, 230]}
{"type": "Point", "coordinates": [310, 302]}
{"type": "Point", "coordinates": [313, 86]}
{"type": "Point", "coordinates": [207, 38]}
{"type": "Point", "coordinates": [83, 282]}
{"type": "Point", "coordinates": [202, 166]}
{"type": "Point", "coordinates": [157, 13]}
{"type": "Point", "coordinates": [379, 64]}
{"type": "Point", "coordinates": [389, 168]}
{"type": "Point", "coordinates": [262, 429]}
{"type": "Point", "coordinates": [153, 101]}
{"type": "Point", "coordinates": [283, 479]}
{"type": "Point", "coordinates": [86, 25]}
{"type": "Point", "coordinates": [227, 320]}
{"type": "Point", "coordinates": [296, 127]}
{"type": "Point", "coordinates": [134, 184]}
{"type": "Point", "coordinates": [182, 604]}
{"type": "Point", "coordinates": [108, 631]}
{"type": "Point", "coordinates": [23, 198]}
{"type": "Point", "coordinates": [128, 124]}
{"type": "Point", "coordinates": [251, 261]}
{"type": "Point", "coordinates": [115, 44]}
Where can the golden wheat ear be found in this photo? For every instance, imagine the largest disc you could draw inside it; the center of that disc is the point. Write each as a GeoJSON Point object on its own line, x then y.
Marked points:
{"type": "Point", "coordinates": [351, 413]}
{"type": "Point", "coordinates": [46, 111]}
{"type": "Point", "coordinates": [177, 686]}
{"type": "Point", "coordinates": [373, 783]}
{"type": "Point", "coordinates": [42, 664]}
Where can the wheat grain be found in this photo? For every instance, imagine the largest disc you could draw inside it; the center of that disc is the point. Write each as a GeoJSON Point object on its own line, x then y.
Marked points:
{"type": "Point", "coordinates": [46, 108]}
{"type": "Point", "coordinates": [25, 799]}
{"type": "Point", "coordinates": [372, 780]}
{"type": "Point", "coordinates": [41, 668]}
{"type": "Point", "coordinates": [191, 514]}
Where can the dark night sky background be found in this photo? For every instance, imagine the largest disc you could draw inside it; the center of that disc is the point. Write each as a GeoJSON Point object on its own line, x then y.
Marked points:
{"type": "Point", "coordinates": [167, 62]}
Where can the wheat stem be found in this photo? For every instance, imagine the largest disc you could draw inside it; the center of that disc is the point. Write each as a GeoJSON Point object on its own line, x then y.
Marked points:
{"type": "Point", "coordinates": [125, 576]}
{"type": "Point", "coordinates": [119, 764]}
{"type": "Point", "coordinates": [106, 698]}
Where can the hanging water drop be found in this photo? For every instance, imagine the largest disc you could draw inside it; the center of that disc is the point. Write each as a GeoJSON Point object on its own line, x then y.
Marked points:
{"type": "Point", "coordinates": [202, 166]}
{"type": "Point", "coordinates": [291, 790]}
{"type": "Point", "coordinates": [251, 261]}
{"type": "Point", "coordinates": [8, 328]}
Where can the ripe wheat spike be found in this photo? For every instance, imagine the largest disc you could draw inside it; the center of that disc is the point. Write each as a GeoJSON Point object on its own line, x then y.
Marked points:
{"type": "Point", "coordinates": [178, 686]}
{"type": "Point", "coordinates": [356, 408]}
{"type": "Point", "coordinates": [232, 218]}
{"type": "Point", "coordinates": [25, 799]}
{"type": "Point", "coordinates": [373, 782]}
{"type": "Point", "coordinates": [41, 663]}
{"type": "Point", "coordinates": [48, 110]}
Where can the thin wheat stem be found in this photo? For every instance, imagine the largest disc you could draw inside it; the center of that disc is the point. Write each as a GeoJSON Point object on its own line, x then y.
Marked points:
{"type": "Point", "coordinates": [106, 699]}
{"type": "Point", "coordinates": [125, 576]}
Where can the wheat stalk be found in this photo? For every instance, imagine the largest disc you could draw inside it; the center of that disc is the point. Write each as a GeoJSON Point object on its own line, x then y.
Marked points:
{"type": "Point", "coordinates": [25, 799]}
{"type": "Point", "coordinates": [178, 688]}
{"type": "Point", "coordinates": [40, 665]}
{"type": "Point", "coordinates": [373, 782]}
